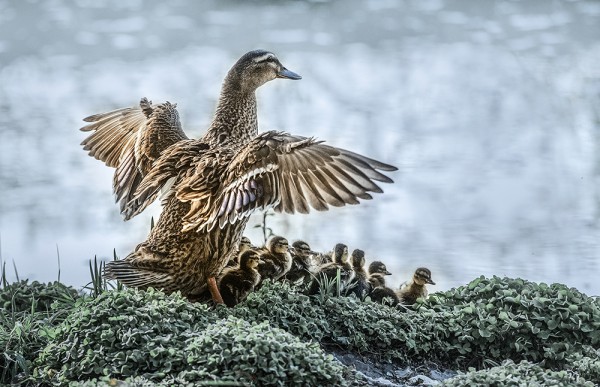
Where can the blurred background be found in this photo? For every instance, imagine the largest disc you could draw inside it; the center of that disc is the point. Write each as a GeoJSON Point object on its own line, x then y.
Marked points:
{"type": "Point", "coordinates": [490, 110]}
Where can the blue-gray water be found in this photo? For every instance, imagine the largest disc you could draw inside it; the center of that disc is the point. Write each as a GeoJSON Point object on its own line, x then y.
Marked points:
{"type": "Point", "coordinates": [489, 109]}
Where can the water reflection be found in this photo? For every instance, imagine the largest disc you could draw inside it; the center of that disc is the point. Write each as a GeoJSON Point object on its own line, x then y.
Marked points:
{"type": "Point", "coordinates": [488, 111]}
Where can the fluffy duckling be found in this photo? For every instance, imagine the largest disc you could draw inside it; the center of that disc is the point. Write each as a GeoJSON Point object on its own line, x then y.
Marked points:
{"type": "Point", "coordinates": [380, 292]}
{"type": "Point", "coordinates": [330, 270]}
{"type": "Point", "coordinates": [276, 259]}
{"type": "Point", "coordinates": [301, 263]}
{"type": "Point", "coordinates": [245, 245]}
{"type": "Point", "coordinates": [359, 286]}
{"type": "Point", "coordinates": [410, 291]}
{"type": "Point", "coordinates": [377, 273]}
{"type": "Point", "coordinates": [236, 283]}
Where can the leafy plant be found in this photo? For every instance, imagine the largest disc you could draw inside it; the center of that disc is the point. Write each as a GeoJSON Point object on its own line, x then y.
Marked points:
{"type": "Point", "coordinates": [503, 318]}
{"type": "Point", "coordinates": [585, 362]}
{"type": "Point", "coordinates": [258, 354]}
{"type": "Point", "coordinates": [521, 374]}
{"type": "Point", "coordinates": [127, 333]}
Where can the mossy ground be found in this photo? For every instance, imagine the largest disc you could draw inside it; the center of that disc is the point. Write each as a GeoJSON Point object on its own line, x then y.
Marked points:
{"type": "Point", "coordinates": [498, 331]}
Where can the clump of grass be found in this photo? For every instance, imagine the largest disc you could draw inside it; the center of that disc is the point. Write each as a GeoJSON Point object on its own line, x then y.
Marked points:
{"type": "Point", "coordinates": [98, 283]}
{"type": "Point", "coordinates": [28, 313]}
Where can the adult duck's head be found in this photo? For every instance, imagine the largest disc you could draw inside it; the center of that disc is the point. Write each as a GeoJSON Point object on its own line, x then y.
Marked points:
{"type": "Point", "coordinates": [254, 69]}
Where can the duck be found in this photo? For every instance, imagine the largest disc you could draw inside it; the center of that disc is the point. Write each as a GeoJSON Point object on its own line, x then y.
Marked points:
{"type": "Point", "coordinates": [360, 285]}
{"type": "Point", "coordinates": [237, 282]}
{"type": "Point", "coordinates": [330, 270]}
{"type": "Point", "coordinates": [410, 291]}
{"type": "Point", "coordinates": [377, 273]}
{"type": "Point", "coordinates": [379, 292]}
{"type": "Point", "coordinates": [245, 245]}
{"type": "Point", "coordinates": [208, 187]}
{"type": "Point", "coordinates": [301, 269]}
{"type": "Point", "coordinates": [276, 259]}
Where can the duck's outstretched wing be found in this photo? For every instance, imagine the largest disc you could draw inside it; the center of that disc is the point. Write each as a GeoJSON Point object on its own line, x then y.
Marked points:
{"type": "Point", "coordinates": [290, 174]}
{"type": "Point", "coordinates": [177, 163]}
{"type": "Point", "coordinates": [130, 140]}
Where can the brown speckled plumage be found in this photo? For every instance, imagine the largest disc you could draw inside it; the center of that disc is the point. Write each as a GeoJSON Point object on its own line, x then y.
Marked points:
{"type": "Point", "coordinates": [410, 291]}
{"type": "Point", "coordinates": [211, 185]}
{"type": "Point", "coordinates": [379, 291]}
{"type": "Point", "coordinates": [237, 282]}
{"type": "Point", "coordinates": [359, 286]}
{"type": "Point", "coordinates": [276, 259]}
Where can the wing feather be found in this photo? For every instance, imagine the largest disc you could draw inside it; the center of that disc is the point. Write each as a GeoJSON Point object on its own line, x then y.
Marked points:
{"type": "Point", "coordinates": [131, 140]}
{"type": "Point", "coordinates": [290, 174]}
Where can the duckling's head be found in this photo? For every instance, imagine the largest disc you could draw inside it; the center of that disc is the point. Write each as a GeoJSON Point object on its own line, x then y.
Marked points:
{"type": "Point", "coordinates": [249, 259]}
{"type": "Point", "coordinates": [378, 267]}
{"type": "Point", "coordinates": [358, 259]}
{"type": "Point", "coordinates": [340, 253]}
{"type": "Point", "coordinates": [278, 245]}
{"type": "Point", "coordinates": [422, 276]}
{"type": "Point", "coordinates": [245, 244]}
{"type": "Point", "coordinates": [254, 69]}
{"type": "Point", "coordinates": [302, 249]}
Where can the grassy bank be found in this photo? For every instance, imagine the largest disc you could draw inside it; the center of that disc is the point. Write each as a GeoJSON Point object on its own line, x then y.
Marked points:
{"type": "Point", "coordinates": [496, 330]}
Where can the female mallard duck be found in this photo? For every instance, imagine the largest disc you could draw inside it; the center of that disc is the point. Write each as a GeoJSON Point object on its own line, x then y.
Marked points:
{"type": "Point", "coordinates": [301, 263]}
{"type": "Point", "coordinates": [276, 259]}
{"type": "Point", "coordinates": [211, 186]}
{"type": "Point", "coordinates": [379, 292]}
{"type": "Point", "coordinates": [237, 282]}
{"type": "Point", "coordinates": [359, 286]}
{"type": "Point", "coordinates": [410, 291]}
{"type": "Point", "coordinates": [330, 270]}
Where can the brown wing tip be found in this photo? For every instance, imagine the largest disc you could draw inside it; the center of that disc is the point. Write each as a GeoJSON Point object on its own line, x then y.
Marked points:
{"type": "Point", "coordinates": [92, 118]}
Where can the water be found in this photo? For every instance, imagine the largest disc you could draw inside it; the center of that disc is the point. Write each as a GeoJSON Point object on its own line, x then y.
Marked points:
{"type": "Point", "coordinates": [490, 111]}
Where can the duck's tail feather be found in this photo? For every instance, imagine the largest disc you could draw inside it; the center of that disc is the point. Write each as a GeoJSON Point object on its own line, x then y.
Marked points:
{"type": "Point", "coordinates": [136, 277]}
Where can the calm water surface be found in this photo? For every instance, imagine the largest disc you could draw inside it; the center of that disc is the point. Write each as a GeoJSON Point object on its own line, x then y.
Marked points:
{"type": "Point", "coordinates": [489, 109]}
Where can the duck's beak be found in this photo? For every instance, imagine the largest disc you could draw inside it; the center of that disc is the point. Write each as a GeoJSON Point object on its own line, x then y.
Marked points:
{"type": "Point", "coordinates": [429, 281]}
{"type": "Point", "coordinates": [387, 273]}
{"type": "Point", "coordinates": [287, 74]}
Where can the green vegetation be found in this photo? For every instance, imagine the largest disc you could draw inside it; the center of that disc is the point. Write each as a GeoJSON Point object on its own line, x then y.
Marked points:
{"type": "Point", "coordinates": [517, 375]}
{"type": "Point", "coordinates": [502, 328]}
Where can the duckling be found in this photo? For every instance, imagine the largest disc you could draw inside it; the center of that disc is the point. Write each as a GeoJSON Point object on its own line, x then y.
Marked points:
{"type": "Point", "coordinates": [276, 259]}
{"type": "Point", "coordinates": [384, 295]}
{"type": "Point", "coordinates": [379, 292]}
{"type": "Point", "coordinates": [359, 286]}
{"type": "Point", "coordinates": [301, 263]}
{"type": "Point", "coordinates": [210, 186]}
{"type": "Point", "coordinates": [377, 273]}
{"type": "Point", "coordinates": [410, 291]}
{"type": "Point", "coordinates": [236, 283]}
{"type": "Point", "coordinates": [245, 245]}
{"type": "Point", "coordinates": [330, 270]}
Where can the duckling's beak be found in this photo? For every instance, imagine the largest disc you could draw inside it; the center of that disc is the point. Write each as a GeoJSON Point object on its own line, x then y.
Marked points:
{"type": "Point", "coordinates": [429, 281]}
{"type": "Point", "coordinates": [387, 273]}
{"type": "Point", "coordinates": [287, 74]}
